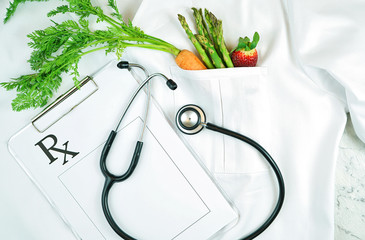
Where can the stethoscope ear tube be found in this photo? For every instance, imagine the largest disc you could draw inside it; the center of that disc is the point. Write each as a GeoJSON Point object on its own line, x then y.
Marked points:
{"type": "Point", "coordinates": [110, 179]}
{"type": "Point", "coordinates": [105, 152]}
{"type": "Point", "coordinates": [132, 166]}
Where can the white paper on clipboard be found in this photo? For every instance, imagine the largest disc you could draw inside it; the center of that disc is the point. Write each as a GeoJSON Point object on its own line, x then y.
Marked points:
{"type": "Point", "coordinates": [169, 196]}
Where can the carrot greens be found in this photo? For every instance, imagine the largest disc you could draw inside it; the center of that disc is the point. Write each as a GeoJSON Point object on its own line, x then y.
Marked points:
{"type": "Point", "coordinates": [58, 49]}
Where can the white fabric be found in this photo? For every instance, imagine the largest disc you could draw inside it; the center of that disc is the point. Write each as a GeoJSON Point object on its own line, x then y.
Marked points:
{"type": "Point", "coordinates": [310, 72]}
{"type": "Point", "coordinates": [330, 36]}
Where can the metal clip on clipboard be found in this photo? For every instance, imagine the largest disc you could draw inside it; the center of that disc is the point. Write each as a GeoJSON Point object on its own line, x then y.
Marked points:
{"type": "Point", "coordinates": [71, 99]}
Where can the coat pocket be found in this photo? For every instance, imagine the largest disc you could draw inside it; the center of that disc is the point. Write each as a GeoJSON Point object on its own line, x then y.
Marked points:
{"type": "Point", "coordinates": [236, 99]}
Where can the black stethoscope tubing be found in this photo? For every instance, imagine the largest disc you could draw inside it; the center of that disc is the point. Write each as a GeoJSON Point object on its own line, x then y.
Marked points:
{"type": "Point", "coordinates": [274, 167]}
{"type": "Point", "coordinates": [191, 119]}
{"type": "Point", "coordinates": [110, 178]}
{"type": "Point", "coordinates": [110, 181]}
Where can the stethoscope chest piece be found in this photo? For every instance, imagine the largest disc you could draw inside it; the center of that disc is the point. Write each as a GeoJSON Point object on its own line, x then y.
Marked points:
{"type": "Point", "coordinates": [190, 119]}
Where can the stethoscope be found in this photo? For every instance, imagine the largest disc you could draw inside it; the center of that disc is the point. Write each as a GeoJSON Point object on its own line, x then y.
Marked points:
{"type": "Point", "coordinates": [190, 119]}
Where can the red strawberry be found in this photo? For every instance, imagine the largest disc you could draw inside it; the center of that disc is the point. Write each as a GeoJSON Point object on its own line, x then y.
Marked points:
{"type": "Point", "coordinates": [245, 54]}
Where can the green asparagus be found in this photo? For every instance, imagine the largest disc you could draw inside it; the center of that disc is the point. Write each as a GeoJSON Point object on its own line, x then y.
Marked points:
{"type": "Point", "coordinates": [195, 42]}
{"type": "Point", "coordinates": [222, 45]}
{"type": "Point", "coordinates": [217, 61]}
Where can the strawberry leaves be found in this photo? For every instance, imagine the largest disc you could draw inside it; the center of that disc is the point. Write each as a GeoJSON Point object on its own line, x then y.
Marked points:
{"type": "Point", "coordinates": [246, 44]}
{"type": "Point", "coordinates": [255, 40]}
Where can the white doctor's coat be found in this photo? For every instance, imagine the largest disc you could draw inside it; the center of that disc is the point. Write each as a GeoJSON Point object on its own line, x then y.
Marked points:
{"type": "Point", "coordinates": [310, 73]}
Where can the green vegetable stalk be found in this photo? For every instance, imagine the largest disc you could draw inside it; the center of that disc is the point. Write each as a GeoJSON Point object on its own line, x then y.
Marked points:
{"type": "Point", "coordinates": [59, 48]}
{"type": "Point", "coordinates": [217, 61]}
{"type": "Point", "coordinates": [222, 46]}
{"type": "Point", "coordinates": [195, 42]}
{"type": "Point", "coordinates": [200, 23]}
{"type": "Point", "coordinates": [210, 37]}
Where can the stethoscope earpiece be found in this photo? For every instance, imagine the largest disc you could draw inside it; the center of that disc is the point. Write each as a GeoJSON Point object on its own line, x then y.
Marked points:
{"type": "Point", "coordinates": [190, 119]}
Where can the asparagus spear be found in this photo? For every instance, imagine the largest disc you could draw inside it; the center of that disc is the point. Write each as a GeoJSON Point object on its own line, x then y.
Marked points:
{"type": "Point", "coordinates": [217, 61]}
{"type": "Point", "coordinates": [211, 25]}
{"type": "Point", "coordinates": [204, 23]}
{"type": "Point", "coordinates": [222, 45]}
{"type": "Point", "coordinates": [200, 24]}
{"type": "Point", "coordinates": [195, 42]}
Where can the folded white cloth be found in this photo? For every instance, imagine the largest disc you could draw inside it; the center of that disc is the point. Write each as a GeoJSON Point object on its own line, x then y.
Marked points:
{"type": "Point", "coordinates": [294, 103]}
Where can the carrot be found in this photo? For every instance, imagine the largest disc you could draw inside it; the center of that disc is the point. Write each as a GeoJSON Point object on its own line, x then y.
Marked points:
{"type": "Point", "coordinates": [189, 61]}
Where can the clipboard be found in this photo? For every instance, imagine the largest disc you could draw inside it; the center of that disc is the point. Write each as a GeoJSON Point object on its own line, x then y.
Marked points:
{"type": "Point", "coordinates": [169, 196]}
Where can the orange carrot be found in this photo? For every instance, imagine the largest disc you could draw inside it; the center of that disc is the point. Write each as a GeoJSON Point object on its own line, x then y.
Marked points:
{"type": "Point", "coordinates": [189, 61]}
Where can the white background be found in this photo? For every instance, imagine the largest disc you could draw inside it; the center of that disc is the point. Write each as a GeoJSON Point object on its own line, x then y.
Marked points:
{"type": "Point", "coordinates": [25, 213]}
